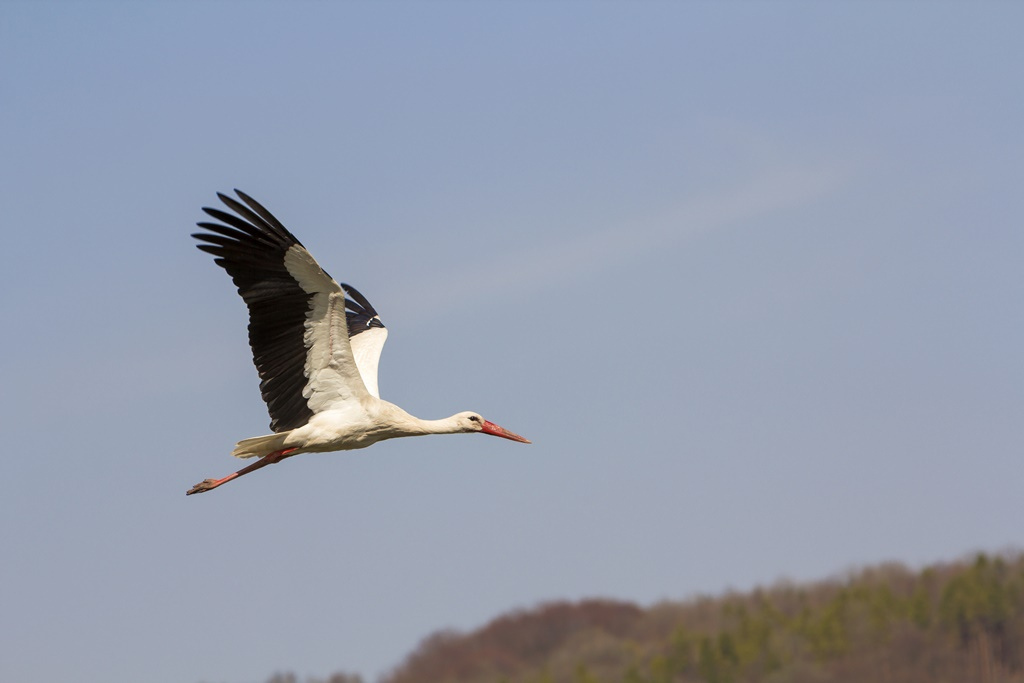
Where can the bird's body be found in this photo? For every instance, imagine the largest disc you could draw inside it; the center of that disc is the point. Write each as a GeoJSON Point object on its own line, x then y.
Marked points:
{"type": "Point", "coordinates": [345, 429]}
{"type": "Point", "coordinates": [316, 350]}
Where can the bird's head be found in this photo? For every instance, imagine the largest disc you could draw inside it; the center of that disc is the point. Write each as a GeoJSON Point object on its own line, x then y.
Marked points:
{"type": "Point", "coordinates": [472, 422]}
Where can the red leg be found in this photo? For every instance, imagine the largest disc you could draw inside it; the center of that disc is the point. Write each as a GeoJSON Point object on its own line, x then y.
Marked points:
{"type": "Point", "coordinates": [210, 484]}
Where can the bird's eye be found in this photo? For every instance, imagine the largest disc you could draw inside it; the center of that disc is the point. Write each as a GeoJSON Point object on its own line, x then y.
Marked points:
{"type": "Point", "coordinates": [474, 418]}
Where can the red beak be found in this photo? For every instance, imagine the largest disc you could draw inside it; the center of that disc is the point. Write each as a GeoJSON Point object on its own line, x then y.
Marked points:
{"type": "Point", "coordinates": [495, 430]}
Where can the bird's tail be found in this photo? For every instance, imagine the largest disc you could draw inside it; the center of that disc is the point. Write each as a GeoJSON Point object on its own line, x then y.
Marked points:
{"type": "Point", "coordinates": [258, 446]}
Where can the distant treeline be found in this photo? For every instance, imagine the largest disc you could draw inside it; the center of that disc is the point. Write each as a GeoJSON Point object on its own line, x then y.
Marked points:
{"type": "Point", "coordinates": [956, 623]}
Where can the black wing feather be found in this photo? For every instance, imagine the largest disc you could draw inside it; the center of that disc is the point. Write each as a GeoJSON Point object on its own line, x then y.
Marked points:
{"type": "Point", "coordinates": [359, 314]}
{"type": "Point", "coordinates": [251, 248]}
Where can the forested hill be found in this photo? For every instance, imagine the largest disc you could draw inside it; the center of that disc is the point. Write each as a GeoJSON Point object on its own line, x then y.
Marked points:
{"type": "Point", "coordinates": [959, 622]}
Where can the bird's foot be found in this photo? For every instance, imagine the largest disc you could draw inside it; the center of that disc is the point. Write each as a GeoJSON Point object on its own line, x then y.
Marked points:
{"type": "Point", "coordinates": [204, 485]}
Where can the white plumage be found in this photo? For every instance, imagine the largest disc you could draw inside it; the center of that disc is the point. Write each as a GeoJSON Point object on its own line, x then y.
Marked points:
{"type": "Point", "coordinates": [317, 350]}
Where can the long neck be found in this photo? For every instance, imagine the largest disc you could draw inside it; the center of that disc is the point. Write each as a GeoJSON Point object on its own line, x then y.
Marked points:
{"type": "Point", "coordinates": [405, 424]}
{"type": "Point", "coordinates": [447, 425]}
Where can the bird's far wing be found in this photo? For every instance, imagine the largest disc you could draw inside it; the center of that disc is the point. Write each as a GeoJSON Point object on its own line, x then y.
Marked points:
{"type": "Point", "coordinates": [297, 328]}
{"type": "Point", "coordinates": [367, 335]}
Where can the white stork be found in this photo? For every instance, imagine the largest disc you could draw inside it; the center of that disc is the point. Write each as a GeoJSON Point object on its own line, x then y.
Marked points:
{"type": "Point", "coordinates": [316, 350]}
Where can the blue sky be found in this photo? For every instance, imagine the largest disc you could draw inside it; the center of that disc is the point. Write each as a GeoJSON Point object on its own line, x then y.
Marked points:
{"type": "Point", "coordinates": [748, 274]}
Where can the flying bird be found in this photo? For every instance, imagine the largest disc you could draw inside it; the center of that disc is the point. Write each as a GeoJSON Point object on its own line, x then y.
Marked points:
{"type": "Point", "coordinates": [315, 343]}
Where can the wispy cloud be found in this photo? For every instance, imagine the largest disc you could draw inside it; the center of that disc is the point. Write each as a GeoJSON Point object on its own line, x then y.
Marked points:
{"type": "Point", "coordinates": [531, 269]}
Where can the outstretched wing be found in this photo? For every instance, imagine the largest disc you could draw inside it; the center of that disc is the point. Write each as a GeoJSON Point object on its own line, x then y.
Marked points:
{"type": "Point", "coordinates": [297, 318]}
{"type": "Point", "coordinates": [367, 335]}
